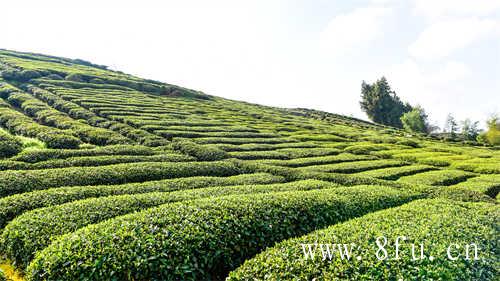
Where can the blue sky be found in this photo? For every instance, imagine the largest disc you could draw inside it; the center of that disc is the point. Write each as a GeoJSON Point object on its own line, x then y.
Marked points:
{"type": "Point", "coordinates": [441, 54]}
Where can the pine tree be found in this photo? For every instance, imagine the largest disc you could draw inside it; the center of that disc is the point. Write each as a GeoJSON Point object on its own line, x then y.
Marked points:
{"type": "Point", "coordinates": [381, 103]}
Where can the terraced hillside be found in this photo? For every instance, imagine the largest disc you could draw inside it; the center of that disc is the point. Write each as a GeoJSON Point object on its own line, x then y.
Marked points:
{"type": "Point", "coordinates": [106, 176]}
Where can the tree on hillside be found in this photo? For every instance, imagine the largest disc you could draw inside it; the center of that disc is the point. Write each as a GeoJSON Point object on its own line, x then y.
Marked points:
{"type": "Point", "coordinates": [450, 126]}
{"type": "Point", "coordinates": [469, 130]}
{"type": "Point", "coordinates": [381, 103]}
{"type": "Point", "coordinates": [492, 135]}
{"type": "Point", "coordinates": [416, 121]}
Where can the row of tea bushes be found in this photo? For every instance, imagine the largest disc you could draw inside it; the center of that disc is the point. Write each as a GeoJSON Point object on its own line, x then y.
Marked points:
{"type": "Point", "coordinates": [87, 161]}
{"type": "Point", "coordinates": [14, 205]}
{"type": "Point", "coordinates": [439, 177]}
{"type": "Point", "coordinates": [479, 165]}
{"type": "Point", "coordinates": [320, 160]}
{"type": "Point", "coordinates": [356, 166]}
{"type": "Point", "coordinates": [396, 172]}
{"type": "Point", "coordinates": [47, 115]}
{"type": "Point", "coordinates": [284, 153]}
{"type": "Point", "coordinates": [9, 145]}
{"type": "Point", "coordinates": [291, 174]}
{"type": "Point", "coordinates": [35, 230]}
{"type": "Point", "coordinates": [190, 134]}
{"type": "Point", "coordinates": [200, 152]}
{"type": "Point", "coordinates": [78, 112]}
{"type": "Point", "coordinates": [264, 146]}
{"type": "Point", "coordinates": [436, 223]}
{"type": "Point", "coordinates": [487, 184]}
{"type": "Point", "coordinates": [214, 140]}
{"type": "Point", "coordinates": [222, 232]}
{"type": "Point", "coordinates": [33, 156]}
{"type": "Point", "coordinates": [20, 124]}
{"type": "Point", "coordinates": [13, 182]}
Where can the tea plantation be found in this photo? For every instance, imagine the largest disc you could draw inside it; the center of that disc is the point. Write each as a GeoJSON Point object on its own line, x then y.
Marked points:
{"type": "Point", "coordinates": [107, 176]}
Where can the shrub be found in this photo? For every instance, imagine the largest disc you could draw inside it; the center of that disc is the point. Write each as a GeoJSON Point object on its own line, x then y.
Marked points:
{"type": "Point", "coordinates": [331, 138]}
{"type": "Point", "coordinates": [408, 142]}
{"type": "Point", "coordinates": [321, 160]}
{"type": "Point", "coordinates": [285, 153]}
{"type": "Point", "coordinates": [446, 222]}
{"type": "Point", "coordinates": [264, 146]}
{"type": "Point", "coordinates": [365, 148]}
{"type": "Point", "coordinates": [20, 124]}
{"type": "Point", "coordinates": [57, 140]}
{"type": "Point", "coordinates": [254, 155]}
{"type": "Point", "coordinates": [9, 145]}
{"type": "Point", "coordinates": [221, 233]}
{"type": "Point", "coordinates": [201, 152]}
{"type": "Point", "coordinates": [440, 177]}
{"type": "Point", "coordinates": [12, 182]}
{"type": "Point", "coordinates": [357, 166]}
{"type": "Point", "coordinates": [77, 112]}
{"type": "Point", "coordinates": [50, 116]}
{"type": "Point", "coordinates": [212, 140]}
{"type": "Point", "coordinates": [14, 205]}
{"type": "Point", "coordinates": [13, 165]}
{"type": "Point", "coordinates": [483, 168]}
{"type": "Point", "coordinates": [487, 184]}
{"type": "Point", "coordinates": [34, 230]}
{"type": "Point", "coordinates": [195, 134]}
{"type": "Point", "coordinates": [33, 156]}
{"type": "Point", "coordinates": [397, 172]}
{"type": "Point", "coordinates": [109, 160]}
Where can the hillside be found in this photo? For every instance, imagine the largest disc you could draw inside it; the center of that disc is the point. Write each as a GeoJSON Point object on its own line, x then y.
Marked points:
{"type": "Point", "coordinates": [107, 176]}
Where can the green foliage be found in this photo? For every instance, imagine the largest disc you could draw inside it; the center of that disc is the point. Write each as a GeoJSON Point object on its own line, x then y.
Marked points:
{"type": "Point", "coordinates": [93, 161]}
{"type": "Point", "coordinates": [451, 126]}
{"type": "Point", "coordinates": [13, 182]}
{"type": "Point", "coordinates": [492, 135]}
{"type": "Point", "coordinates": [320, 160]}
{"type": "Point", "coordinates": [222, 233]}
{"type": "Point", "coordinates": [487, 184]}
{"type": "Point", "coordinates": [33, 156]}
{"type": "Point", "coordinates": [83, 193]}
{"type": "Point", "coordinates": [469, 130]}
{"type": "Point", "coordinates": [18, 123]}
{"type": "Point", "coordinates": [9, 144]}
{"type": "Point", "coordinates": [14, 205]}
{"type": "Point", "coordinates": [356, 166]}
{"type": "Point", "coordinates": [200, 152]}
{"type": "Point", "coordinates": [284, 153]}
{"type": "Point", "coordinates": [381, 103]}
{"type": "Point", "coordinates": [440, 177]}
{"type": "Point", "coordinates": [34, 230]}
{"type": "Point", "coordinates": [397, 172]}
{"type": "Point", "coordinates": [445, 222]}
{"type": "Point", "coordinates": [415, 121]}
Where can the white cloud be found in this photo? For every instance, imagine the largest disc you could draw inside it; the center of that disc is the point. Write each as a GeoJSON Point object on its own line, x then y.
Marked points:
{"type": "Point", "coordinates": [441, 39]}
{"type": "Point", "coordinates": [441, 89]}
{"type": "Point", "coordinates": [353, 30]}
{"type": "Point", "coordinates": [441, 8]}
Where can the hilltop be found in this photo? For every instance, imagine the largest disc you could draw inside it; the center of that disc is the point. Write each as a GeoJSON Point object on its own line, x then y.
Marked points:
{"type": "Point", "coordinates": [108, 176]}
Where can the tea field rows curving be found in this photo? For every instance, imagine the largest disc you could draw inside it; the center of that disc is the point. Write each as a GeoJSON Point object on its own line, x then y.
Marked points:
{"type": "Point", "coordinates": [107, 176]}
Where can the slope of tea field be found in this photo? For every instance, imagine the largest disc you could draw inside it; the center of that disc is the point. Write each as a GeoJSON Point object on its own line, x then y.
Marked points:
{"type": "Point", "coordinates": [107, 176]}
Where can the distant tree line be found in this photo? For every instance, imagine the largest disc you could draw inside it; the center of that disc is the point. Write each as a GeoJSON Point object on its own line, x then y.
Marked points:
{"type": "Point", "coordinates": [383, 106]}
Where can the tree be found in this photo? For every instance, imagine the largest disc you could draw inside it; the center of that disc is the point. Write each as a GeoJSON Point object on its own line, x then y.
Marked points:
{"type": "Point", "coordinates": [470, 129]}
{"type": "Point", "coordinates": [493, 133]}
{"type": "Point", "coordinates": [381, 103]}
{"type": "Point", "coordinates": [450, 126]}
{"type": "Point", "coordinates": [416, 121]}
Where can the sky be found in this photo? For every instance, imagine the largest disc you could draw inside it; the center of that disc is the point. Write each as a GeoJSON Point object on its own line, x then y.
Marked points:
{"type": "Point", "coordinates": [441, 54]}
